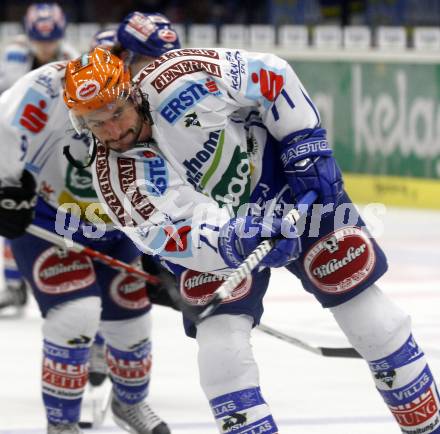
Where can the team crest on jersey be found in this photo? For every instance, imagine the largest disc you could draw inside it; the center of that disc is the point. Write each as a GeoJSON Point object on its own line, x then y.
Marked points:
{"type": "Point", "coordinates": [340, 261]}
{"type": "Point", "coordinates": [192, 120]}
{"type": "Point", "coordinates": [197, 288]}
{"type": "Point", "coordinates": [129, 292]}
{"type": "Point", "coordinates": [57, 271]}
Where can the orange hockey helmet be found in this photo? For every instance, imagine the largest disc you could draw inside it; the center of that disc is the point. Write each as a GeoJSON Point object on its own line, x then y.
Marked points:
{"type": "Point", "coordinates": [94, 80]}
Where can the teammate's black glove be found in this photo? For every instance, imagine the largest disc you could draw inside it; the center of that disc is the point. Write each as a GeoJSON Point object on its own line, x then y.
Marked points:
{"type": "Point", "coordinates": [17, 207]}
{"type": "Point", "coordinates": [167, 293]}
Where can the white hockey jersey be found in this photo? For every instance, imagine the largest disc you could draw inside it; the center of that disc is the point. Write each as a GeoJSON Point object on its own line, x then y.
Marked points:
{"type": "Point", "coordinates": [17, 60]}
{"type": "Point", "coordinates": [34, 128]}
{"type": "Point", "coordinates": [217, 114]}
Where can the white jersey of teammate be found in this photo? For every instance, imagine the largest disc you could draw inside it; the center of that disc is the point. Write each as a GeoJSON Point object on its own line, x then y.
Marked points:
{"type": "Point", "coordinates": [18, 59]}
{"type": "Point", "coordinates": [212, 110]}
{"type": "Point", "coordinates": [35, 127]}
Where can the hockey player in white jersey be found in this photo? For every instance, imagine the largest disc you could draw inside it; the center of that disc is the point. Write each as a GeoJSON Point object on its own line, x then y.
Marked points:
{"type": "Point", "coordinates": [42, 43]}
{"type": "Point", "coordinates": [197, 160]}
{"type": "Point", "coordinates": [69, 288]}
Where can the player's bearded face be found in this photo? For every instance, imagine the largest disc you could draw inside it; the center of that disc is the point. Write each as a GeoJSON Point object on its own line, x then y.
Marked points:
{"type": "Point", "coordinates": [118, 126]}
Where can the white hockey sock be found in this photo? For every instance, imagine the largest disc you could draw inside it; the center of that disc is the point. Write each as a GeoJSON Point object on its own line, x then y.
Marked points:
{"type": "Point", "coordinates": [129, 356]}
{"type": "Point", "coordinates": [229, 375]}
{"type": "Point", "coordinates": [381, 332]}
{"type": "Point", "coordinates": [68, 332]}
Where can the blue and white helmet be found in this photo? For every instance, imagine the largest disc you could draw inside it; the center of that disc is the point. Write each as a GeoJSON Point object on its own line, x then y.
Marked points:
{"type": "Point", "coordinates": [104, 38]}
{"type": "Point", "coordinates": [45, 22]}
{"type": "Point", "coordinates": [147, 34]}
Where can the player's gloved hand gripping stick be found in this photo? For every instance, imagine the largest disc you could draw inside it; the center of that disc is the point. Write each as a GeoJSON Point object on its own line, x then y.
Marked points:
{"type": "Point", "coordinates": [250, 263]}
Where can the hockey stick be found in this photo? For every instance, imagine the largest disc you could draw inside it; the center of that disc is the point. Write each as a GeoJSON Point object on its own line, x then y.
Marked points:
{"type": "Point", "coordinates": [59, 241]}
{"type": "Point", "coordinates": [322, 351]}
{"type": "Point", "coordinates": [100, 401]}
{"type": "Point", "coordinates": [248, 265]}
{"type": "Point", "coordinates": [174, 294]}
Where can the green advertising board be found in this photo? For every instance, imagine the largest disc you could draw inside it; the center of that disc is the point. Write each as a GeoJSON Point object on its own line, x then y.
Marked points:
{"type": "Point", "coordinates": [383, 120]}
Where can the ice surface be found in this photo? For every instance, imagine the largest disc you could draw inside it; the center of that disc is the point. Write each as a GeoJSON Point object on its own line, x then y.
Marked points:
{"type": "Point", "coordinates": [307, 393]}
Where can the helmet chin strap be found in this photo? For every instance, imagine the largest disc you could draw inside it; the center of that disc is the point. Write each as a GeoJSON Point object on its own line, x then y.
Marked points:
{"type": "Point", "coordinates": [141, 100]}
{"type": "Point", "coordinates": [71, 159]}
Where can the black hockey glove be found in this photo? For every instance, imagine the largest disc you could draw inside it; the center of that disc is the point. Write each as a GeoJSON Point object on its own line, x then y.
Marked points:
{"type": "Point", "coordinates": [17, 207]}
{"type": "Point", "coordinates": [167, 293]}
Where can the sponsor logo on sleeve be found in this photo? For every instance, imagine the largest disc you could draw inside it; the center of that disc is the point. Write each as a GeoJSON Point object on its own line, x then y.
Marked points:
{"type": "Point", "coordinates": [32, 113]}
{"type": "Point", "coordinates": [57, 271]}
{"type": "Point", "coordinates": [46, 81]}
{"type": "Point", "coordinates": [264, 81]}
{"type": "Point", "coordinates": [237, 69]}
{"type": "Point", "coordinates": [340, 261]}
{"type": "Point", "coordinates": [197, 288]}
{"type": "Point", "coordinates": [270, 83]}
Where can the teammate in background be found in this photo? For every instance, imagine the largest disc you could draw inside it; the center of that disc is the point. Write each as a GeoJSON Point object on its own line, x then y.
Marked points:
{"type": "Point", "coordinates": [43, 42]}
{"type": "Point", "coordinates": [198, 159]}
{"type": "Point", "coordinates": [44, 26]}
{"type": "Point", "coordinates": [69, 288]}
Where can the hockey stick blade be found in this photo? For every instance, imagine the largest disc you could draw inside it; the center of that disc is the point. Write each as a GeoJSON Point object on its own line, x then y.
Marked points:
{"type": "Point", "coordinates": [347, 352]}
{"type": "Point", "coordinates": [96, 404]}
